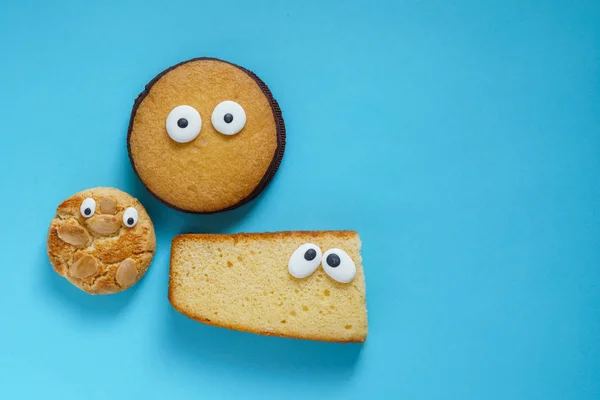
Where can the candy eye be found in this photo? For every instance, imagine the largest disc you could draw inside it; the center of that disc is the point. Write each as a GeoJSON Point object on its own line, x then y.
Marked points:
{"type": "Point", "coordinates": [304, 260]}
{"type": "Point", "coordinates": [88, 207]}
{"type": "Point", "coordinates": [184, 124]}
{"type": "Point", "coordinates": [338, 265]}
{"type": "Point", "coordinates": [130, 217]}
{"type": "Point", "coordinates": [228, 117]}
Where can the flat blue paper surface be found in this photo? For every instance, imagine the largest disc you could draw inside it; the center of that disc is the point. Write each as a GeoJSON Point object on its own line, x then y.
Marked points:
{"type": "Point", "coordinates": [461, 139]}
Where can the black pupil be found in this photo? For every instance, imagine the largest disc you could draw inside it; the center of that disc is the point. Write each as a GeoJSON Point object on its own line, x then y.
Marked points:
{"type": "Point", "coordinates": [87, 211]}
{"type": "Point", "coordinates": [130, 221]}
{"type": "Point", "coordinates": [182, 122]}
{"type": "Point", "coordinates": [228, 118]}
{"type": "Point", "coordinates": [310, 254]}
{"type": "Point", "coordinates": [333, 260]}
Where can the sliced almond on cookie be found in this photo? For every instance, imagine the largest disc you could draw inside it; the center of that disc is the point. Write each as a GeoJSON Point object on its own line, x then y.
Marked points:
{"type": "Point", "coordinates": [73, 234]}
{"type": "Point", "coordinates": [127, 272]}
{"type": "Point", "coordinates": [84, 267]}
{"type": "Point", "coordinates": [104, 224]}
{"type": "Point", "coordinates": [108, 206]}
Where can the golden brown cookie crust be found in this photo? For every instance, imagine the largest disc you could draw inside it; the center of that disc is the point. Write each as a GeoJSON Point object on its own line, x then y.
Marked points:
{"type": "Point", "coordinates": [214, 172]}
{"type": "Point", "coordinates": [93, 253]}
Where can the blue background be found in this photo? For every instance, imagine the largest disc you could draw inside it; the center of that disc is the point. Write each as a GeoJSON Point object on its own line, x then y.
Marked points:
{"type": "Point", "coordinates": [460, 138]}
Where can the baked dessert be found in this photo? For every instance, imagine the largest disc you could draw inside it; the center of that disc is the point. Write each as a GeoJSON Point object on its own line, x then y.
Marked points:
{"type": "Point", "coordinates": [305, 285]}
{"type": "Point", "coordinates": [206, 136]}
{"type": "Point", "coordinates": [101, 240]}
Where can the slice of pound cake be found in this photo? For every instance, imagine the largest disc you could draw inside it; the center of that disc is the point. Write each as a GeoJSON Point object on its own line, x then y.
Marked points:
{"type": "Point", "coordinates": [305, 285]}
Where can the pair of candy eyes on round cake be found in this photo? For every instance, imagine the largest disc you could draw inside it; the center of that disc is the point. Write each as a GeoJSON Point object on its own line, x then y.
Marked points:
{"type": "Point", "coordinates": [184, 122]}
{"type": "Point", "coordinates": [88, 208]}
{"type": "Point", "coordinates": [336, 263]}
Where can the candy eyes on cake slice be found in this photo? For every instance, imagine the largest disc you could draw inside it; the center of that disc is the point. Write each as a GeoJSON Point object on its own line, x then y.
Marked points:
{"type": "Point", "coordinates": [184, 124]}
{"type": "Point", "coordinates": [228, 117]}
{"type": "Point", "coordinates": [336, 263]}
{"type": "Point", "coordinates": [130, 217]}
{"type": "Point", "coordinates": [305, 260]}
{"type": "Point", "coordinates": [339, 266]}
{"type": "Point", "coordinates": [88, 207]}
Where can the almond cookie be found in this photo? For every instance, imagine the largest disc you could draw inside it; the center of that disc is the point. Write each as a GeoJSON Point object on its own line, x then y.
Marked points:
{"type": "Point", "coordinates": [101, 240]}
{"type": "Point", "coordinates": [206, 136]}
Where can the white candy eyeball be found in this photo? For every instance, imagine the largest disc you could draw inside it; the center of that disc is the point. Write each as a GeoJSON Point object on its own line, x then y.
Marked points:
{"type": "Point", "coordinates": [130, 217]}
{"type": "Point", "coordinates": [228, 117]}
{"type": "Point", "coordinates": [305, 260]}
{"type": "Point", "coordinates": [184, 124]}
{"type": "Point", "coordinates": [88, 207]}
{"type": "Point", "coordinates": [338, 265]}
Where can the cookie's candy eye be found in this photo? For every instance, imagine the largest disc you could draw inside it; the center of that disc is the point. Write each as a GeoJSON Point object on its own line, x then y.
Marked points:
{"type": "Point", "coordinates": [338, 265]}
{"type": "Point", "coordinates": [88, 207]}
{"type": "Point", "coordinates": [305, 260]}
{"type": "Point", "coordinates": [228, 117]}
{"type": "Point", "coordinates": [184, 124]}
{"type": "Point", "coordinates": [130, 217]}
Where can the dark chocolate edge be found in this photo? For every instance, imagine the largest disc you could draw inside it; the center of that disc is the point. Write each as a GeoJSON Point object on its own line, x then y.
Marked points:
{"type": "Point", "coordinates": [279, 126]}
